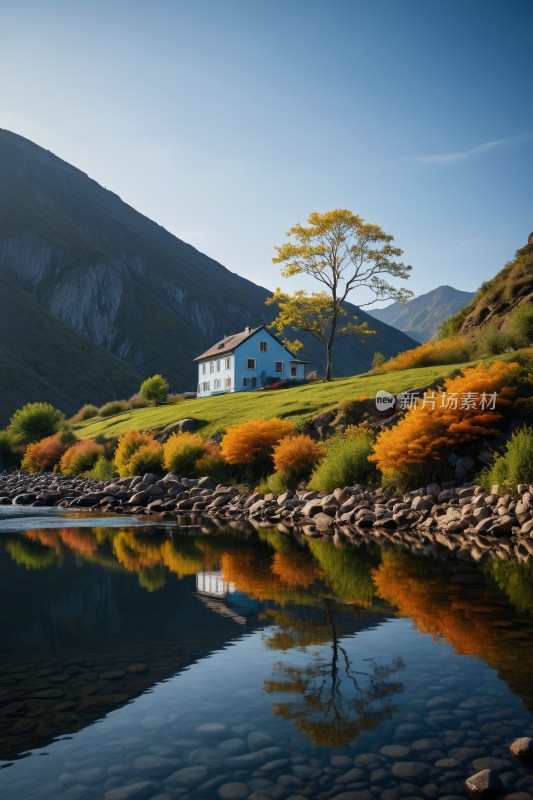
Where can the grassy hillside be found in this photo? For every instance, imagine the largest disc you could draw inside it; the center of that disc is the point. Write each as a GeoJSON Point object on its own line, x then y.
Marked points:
{"type": "Point", "coordinates": [301, 402]}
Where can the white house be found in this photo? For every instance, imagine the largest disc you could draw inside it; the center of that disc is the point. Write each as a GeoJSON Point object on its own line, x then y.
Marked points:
{"type": "Point", "coordinates": [247, 360]}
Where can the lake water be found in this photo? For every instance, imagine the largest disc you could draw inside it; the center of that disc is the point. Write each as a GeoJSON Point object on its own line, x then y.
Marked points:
{"type": "Point", "coordinates": [153, 662]}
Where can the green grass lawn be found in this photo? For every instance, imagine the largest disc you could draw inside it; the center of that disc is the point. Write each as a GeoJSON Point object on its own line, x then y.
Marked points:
{"type": "Point", "coordinates": [300, 402]}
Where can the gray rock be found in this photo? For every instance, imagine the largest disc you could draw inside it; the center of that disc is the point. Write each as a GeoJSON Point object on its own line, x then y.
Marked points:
{"type": "Point", "coordinates": [188, 776]}
{"type": "Point", "coordinates": [483, 784]}
{"type": "Point", "coordinates": [132, 791]}
{"type": "Point", "coordinates": [234, 790]}
{"type": "Point", "coordinates": [522, 748]}
{"type": "Point", "coordinates": [410, 770]}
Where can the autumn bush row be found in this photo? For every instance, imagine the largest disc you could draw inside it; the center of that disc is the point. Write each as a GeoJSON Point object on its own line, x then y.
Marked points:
{"type": "Point", "coordinates": [277, 456]}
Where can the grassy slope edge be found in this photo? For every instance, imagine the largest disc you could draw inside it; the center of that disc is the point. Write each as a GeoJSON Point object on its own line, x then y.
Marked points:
{"type": "Point", "coordinates": [301, 402]}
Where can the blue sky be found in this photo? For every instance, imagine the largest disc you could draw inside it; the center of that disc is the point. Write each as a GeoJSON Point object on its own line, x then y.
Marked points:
{"type": "Point", "coordinates": [228, 121]}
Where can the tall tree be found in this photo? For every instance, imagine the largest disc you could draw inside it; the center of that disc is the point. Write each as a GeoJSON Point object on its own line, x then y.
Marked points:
{"type": "Point", "coordinates": [345, 254]}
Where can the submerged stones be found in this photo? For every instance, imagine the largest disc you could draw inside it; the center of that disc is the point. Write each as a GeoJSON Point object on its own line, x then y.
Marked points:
{"type": "Point", "coordinates": [484, 784]}
{"type": "Point", "coordinates": [522, 749]}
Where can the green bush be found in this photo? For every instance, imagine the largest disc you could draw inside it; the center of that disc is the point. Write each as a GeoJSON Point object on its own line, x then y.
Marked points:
{"type": "Point", "coordinates": [154, 389]}
{"type": "Point", "coordinates": [378, 360]}
{"type": "Point", "coordinates": [491, 341]}
{"type": "Point", "coordinates": [9, 458]}
{"type": "Point", "coordinates": [345, 463]}
{"type": "Point", "coordinates": [34, 422]}
{"type": "Point", "coordinates": [113, 407]}
{"type": "Point", "coordinates": [88, 411]}
{"type": "Point", "coordinates": [103, 470]}
{"type": "Point", "coordinates": [514, 465]}
{"type": "Point", "coordinates": [148, 458]}
{"type": "Point", "coordinates": [138, 401]}
{"type": "Point", "coordinates": [520, 326]}
{"type": "Point", "coordinates": [181, 452]}
{"type": "Point", "coordinates": [129, 443]}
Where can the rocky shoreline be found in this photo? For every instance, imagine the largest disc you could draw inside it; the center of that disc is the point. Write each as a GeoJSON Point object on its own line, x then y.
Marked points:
{"type": "Point", "coordinates": [461, 517]}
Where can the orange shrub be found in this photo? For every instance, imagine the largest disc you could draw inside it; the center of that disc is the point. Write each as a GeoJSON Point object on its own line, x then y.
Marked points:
{"type": "Point", "coordinates": [254, 439]}
{"type": "Point", "coordinates": [128, 444]}
{"type": "Point", "coordinates": [427, 431]}
{"type": "Point", "coordinates": [81, 457]}
{"type": "Point", "coordinates": [43, 455]}
{"type": "Point", "coordinates": [296, 455]}
{"type": "Point", "coordinates": [211, 463]}
{"type": "Point", "coordinates": [453, 350]}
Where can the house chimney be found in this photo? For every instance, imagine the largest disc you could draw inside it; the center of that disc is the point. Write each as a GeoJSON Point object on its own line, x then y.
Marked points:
{"type": "Point", "coordinates": [247, 329]}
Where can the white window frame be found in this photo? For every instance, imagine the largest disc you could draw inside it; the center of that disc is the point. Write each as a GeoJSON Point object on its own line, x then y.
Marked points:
{"type": "Point", "coordinates": [228, 362]}
{"type": "Point", "coordinates": [251, 360]}
{"type": "Point", "coordinates": [211, 367]}
{"type": "Point", "coordinates": [203, 368]}
{"type": "Point", "coordinates": [218, 365]}
{"type": "Point", "coordinates": [280, 364]}
{"type": "Point", "coordinates": [227, 383]}
{"type": "Point", "coordinates": [263, 347]}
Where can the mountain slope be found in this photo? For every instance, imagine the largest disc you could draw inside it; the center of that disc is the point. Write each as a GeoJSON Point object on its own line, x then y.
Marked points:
{"type": "Point", "coordinates": [495, 299]}
{"type": "Point", "coordinates": [40, 347]}
{"type": "Point", "coordinates": [423, 315]}
{"type": "Point", "coordinates": [122, 281]}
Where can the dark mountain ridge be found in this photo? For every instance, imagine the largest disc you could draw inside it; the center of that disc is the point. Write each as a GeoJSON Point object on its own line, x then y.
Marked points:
{"type": "Point", "coordinates": [105, 272]}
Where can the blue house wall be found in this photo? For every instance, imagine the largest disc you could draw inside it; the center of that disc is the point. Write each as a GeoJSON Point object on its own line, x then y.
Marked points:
{"type": "Point", "coordinates": [248, 367]}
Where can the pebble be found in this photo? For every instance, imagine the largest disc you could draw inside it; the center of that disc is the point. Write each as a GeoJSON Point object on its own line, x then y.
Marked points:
{"type": "Point", "coordinates": [395, 750]}
{"type": "Point", "coordinates": [234, 790]}
{"type": "Point", "coordinates": [188, 776]}
{"type": "Point", "coordinates": [132, 791]}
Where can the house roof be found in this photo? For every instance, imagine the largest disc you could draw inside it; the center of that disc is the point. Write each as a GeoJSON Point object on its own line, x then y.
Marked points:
{"type": "Point", "coordinates": [228, 343]}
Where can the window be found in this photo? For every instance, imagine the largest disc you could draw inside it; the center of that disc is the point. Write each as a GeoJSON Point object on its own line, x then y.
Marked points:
{"type": "Point", "coordinates": [279, 366]}
{"type": "Point", "coordinates": [203, 369]}
{"type": "Point", "coordinates": [245, 381]}
{"type": "Point", "coordinates": [216, 384]}
{"type": "Point", "coordinates": [263, 347]}
{"type": "Point", "coordinates": [253, 382]}
{"type": "Point", "coordinates": [250, 363]}
{"type": "Point", "coordinates": [294, 372]}
{"type": "Point", "coordinates": [228, 364]}
{"type": "Point", "coordinates": [218, 365]}
{"type": "Point", "coordinates": [227, 383]}
{"type": "Point", "coordinates": [211, 366]}
{"type": "Point", "coordinates": [206, 386]}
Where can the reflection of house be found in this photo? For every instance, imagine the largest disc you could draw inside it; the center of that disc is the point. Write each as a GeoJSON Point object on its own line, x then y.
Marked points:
{"type": "Point", "coordinates": [224, 597]}
{"type": "Point", "coordinates": [247, 360]}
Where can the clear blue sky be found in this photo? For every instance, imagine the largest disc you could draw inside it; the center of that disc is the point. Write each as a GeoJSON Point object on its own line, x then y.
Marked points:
{"type": "Point", "coordinates": [227, 121]}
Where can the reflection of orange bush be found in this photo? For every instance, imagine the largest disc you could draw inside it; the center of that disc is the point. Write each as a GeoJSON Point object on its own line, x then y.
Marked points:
{"type": "Point", "coordinates": [47, 537]}
{"type": "Point", "coordinates": [80, 540]}
{"type": "Point", "coordinates": [296, 569]}
{"type": "Point", "coordinates": [424, 432]}
{"type": "Point", "coordinates": [251, 577]}
{"type": "Point", "coordinates": [243, 443]}
{"type": "Point", "coordinates": [43, 455]}
{"type": "Point", "coordinates": [437, 606]}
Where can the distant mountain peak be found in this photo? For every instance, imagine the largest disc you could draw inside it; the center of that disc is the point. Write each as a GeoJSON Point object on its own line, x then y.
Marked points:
{"type": "Point", "coordinates": [423, 315]}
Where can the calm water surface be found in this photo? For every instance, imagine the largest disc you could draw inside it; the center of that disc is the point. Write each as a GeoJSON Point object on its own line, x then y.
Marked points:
{"type": "Point", "coordinates": [157, 662]}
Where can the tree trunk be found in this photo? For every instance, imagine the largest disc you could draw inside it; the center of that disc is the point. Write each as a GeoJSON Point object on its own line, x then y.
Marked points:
{"type": "Point", "coordinates": [329, 360]}
{"type": "Point", "coordinates": [329, 344]}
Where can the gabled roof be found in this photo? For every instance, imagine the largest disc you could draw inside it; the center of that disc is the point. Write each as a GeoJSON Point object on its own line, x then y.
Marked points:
{"type": "Point", "coordinates": [228, 344]}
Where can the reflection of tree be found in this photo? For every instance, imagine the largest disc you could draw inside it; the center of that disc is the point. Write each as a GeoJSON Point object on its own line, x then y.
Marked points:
{"type": "Point", "coordinates": [336, 701]}
{"type": "Point", "coordinates": [152, 579]}
{"type": "Point", "coordinates": [348, 570]}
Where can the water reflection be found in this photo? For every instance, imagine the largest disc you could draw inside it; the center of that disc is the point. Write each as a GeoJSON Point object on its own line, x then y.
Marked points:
{"type": "Point", "coordinates": [92, 617]}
